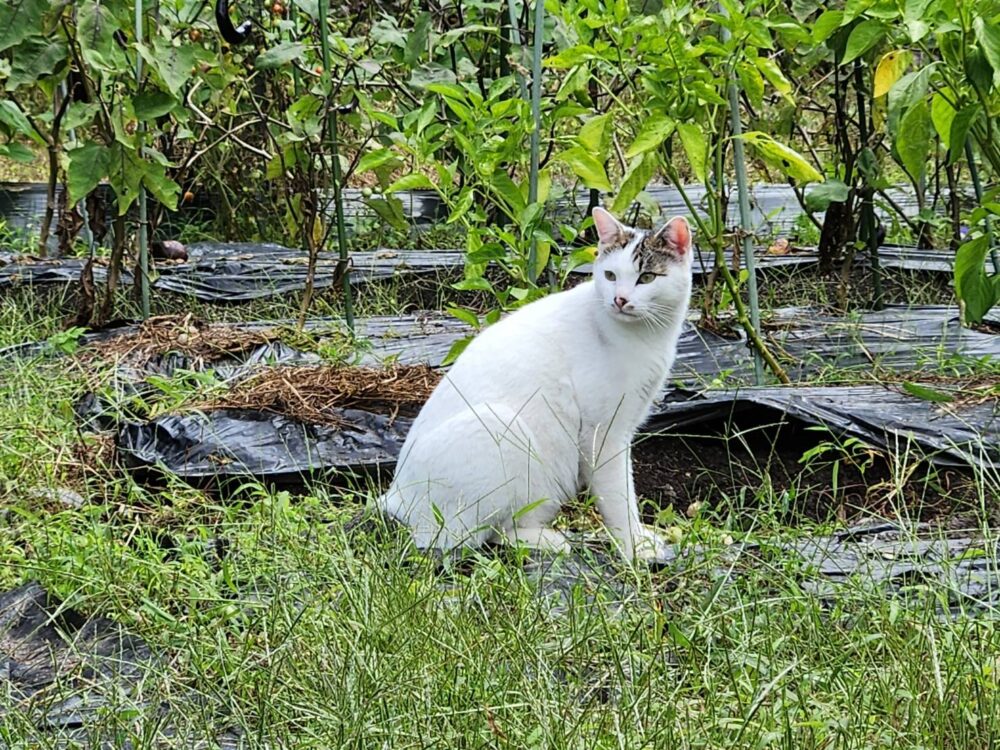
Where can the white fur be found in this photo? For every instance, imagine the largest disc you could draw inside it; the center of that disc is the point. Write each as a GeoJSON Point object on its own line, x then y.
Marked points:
{"type": "Point", "coordinates": [542, 405]}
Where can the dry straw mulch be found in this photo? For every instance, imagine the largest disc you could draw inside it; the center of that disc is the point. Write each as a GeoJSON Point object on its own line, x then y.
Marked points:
{"type": "Point", "coordinates": [312, 394]}
{"type": "Point", "coordinates": [195, 339]}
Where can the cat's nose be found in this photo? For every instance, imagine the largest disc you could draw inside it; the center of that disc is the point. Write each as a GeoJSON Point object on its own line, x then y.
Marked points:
{"type": "Point", "coordinates": [621, 302]}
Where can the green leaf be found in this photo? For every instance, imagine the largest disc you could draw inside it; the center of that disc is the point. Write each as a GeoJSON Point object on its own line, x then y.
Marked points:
{"type": "Point", "coordinates": [88, 165]}
{"type": "Point", "coordinates": [913, 142]}
{"type": "Point", "coordinates": [390, 210]}
{"type": "Point", "coordinates": [377, 158]}
{"type": "Point", "coordinates": [17, 152]}
{"type": "Point", "coordinates": [863, 37]}
{"type": "Point", "coordinates": [79, 114]}
{"type": "Point", "coordinates": [782, 157]}
{"type": "Point", "coordinates": [927, 394]}
{"type": "Point", "coordinates": [152, 104]}
{"type": "Point", "coordinates": [827, 23]}
{"type": "Point", "coordinates": [587, 168]}
{"type": "Point", "coordinates": [19, 19]}
{"type": "Point", "coordinates": [639, 173]}
{"type": "Point", "coordinates": [906, 92]}
{"type": "Point", "coordinates": [696, 147]}
{"type": "Point", "coordinates": [772, 72]}
{"type": "Point", "coordinates": [16, 122]}
{"type": "Point", "coordinates": [416, 40]}
{"type": "Point", "coordinates": [35, 58]}
{"type": "Point", "coordinates": [503, 186]}
{"type": "Point", "coordinates": [819, 197]}
{"type": "Point", "coordinates": [462, 204]}
{"type": "Point", "coordinates": [654, 131]}
{"type": "Point", "coordinates": [595, 136]}
{"type": "Point", "coordinates": [466, 316]}
{"type": "Point", "coordinates": [976, 291]}
{"type": "Point", "coordinates": [942, 115]}
{"type": "Point", "coordinates": [752, 83]}
{"type": "Point", "coordinates": [889, 70]}
{"type": "Point", "coordinates": [414, 181]}
{"type": "Point", "coordinates": [174, 65]}
{"type": "Point", "coordinates": [988, 36]}
{"type": "Point", "coordinates": [161, 187]}
{"type": "Point", "coordinates": [960, 127]}
{"type": "Point", "coordinates": [456, 349]}
{"type": "Point", "coordinates": [280, 55]}
{"type": "Point", "coordinates": [95, 33]}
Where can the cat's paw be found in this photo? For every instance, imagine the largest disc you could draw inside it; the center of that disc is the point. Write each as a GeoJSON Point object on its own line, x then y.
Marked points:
{"type": "Point", "coordinates": [649, 547]}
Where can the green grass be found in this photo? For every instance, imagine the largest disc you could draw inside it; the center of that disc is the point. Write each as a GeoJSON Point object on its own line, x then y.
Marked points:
{"type": "Point", "coordinates": [306, 637]}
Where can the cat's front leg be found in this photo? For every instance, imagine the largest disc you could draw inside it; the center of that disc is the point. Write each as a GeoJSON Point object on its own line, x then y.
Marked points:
{"type": "Point", "coordinates": [611, 483]}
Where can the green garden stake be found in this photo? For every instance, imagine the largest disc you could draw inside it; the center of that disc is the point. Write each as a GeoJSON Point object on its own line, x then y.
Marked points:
{"type": "Point", "coordinates": [536, 116]}
{"type": "Point", "coordinates": [746, 222]}
{"type": "Point", "coordinates": [324, 11]}
{"type": "Point", "coordinates": [143, 217]}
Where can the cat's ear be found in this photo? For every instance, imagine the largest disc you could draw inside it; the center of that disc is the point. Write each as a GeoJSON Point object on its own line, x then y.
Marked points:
{"type": "Point", "coordinates": [675, 237]}
{"type": "Point", "coordinates": [609, 230]}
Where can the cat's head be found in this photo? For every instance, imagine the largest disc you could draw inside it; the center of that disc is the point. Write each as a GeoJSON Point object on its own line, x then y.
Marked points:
{"type": "Point", "coordinates": [642, 275]}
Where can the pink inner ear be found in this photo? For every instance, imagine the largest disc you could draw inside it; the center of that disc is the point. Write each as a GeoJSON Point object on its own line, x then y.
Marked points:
{"type": "Point", "coordinates": [677, 235]}
{"type": "Point", "coordinates": [608, 228]}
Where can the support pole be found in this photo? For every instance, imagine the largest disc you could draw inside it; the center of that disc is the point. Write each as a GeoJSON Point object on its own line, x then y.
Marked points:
{"type": "Point", "coordinates": [536, 118]}
{"type": "Point", "coordinates": [143, 217]}
{"type": "Point", "coordinates": [324, 12]}
{"type": "Point", "coordinates": [746, 222]}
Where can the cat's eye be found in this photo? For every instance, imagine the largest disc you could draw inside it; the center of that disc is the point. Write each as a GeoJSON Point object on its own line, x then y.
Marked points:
{"type": "Point", "coordinates": [647, 277]}
{"type": "Point", "coordinates": [609, 275]}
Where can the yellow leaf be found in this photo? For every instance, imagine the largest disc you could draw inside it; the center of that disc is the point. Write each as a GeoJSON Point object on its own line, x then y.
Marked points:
{"type": "Point", "coordinates": [318, 231]}
{"type": "Point", "coordinates": [890, 69]}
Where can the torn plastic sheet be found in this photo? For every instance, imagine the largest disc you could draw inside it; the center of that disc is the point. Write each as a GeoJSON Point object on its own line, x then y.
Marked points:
{"type": "Point", "coordinates": [808, 341]}
{"type": "Point", "coordinates": [238, 443]}
{"type": "Point", "coordinates": [949, 434]}
{"type": "Point", "coordinates": [61, 671]}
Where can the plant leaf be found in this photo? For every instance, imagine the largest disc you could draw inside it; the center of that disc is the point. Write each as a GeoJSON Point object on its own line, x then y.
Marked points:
{"type": "Point", "coordinates": [696, 147]}
{"type": "Point", "coordinates": [88, 165]}
{"type": "Point", "coordinates": [788, 160]}
{"type": "Point", "coordinates": [279, 55]}
{"type": "Point", "coordinates": [639, 173]}
{"type": "Point", "coordinates": [820, 196]}
{"type": "Point", "coordinates": [913, 142]}
{"type": "Point", "coordinates": [19, 19]}
{"type": "Point", "coordinates": [415, 181]}
{"type": "Point", "coordinates": [976, 291]}
{"type": "Point", "coordinates": [927, 394]}
{"type": "Point", "coordinates": [654, 131]}
{"type": "Point", "coordinates": [595, 136]}
{"type": "Point", "coordinates": [889, 70]}
{"type": "Point", "coordinates": [863, 37]}
{"type": "Point", "coordinates": [152, 104]}
{"type": "Point", "coordinates": [587, 168]}
{"type": "Point", "coordinates": [35, 58]}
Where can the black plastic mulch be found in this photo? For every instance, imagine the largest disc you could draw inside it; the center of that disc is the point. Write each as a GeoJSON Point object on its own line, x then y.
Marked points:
{"type": "Point", "coordinates": [226, 443]}
{"type": "Point", "coordinates": [240, 272]}
{"type": "Point", "coordinates": [64, 672]}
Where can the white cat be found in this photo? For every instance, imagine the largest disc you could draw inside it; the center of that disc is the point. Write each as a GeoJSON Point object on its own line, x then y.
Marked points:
{"type": "Point", "coordinates": [545, 403]}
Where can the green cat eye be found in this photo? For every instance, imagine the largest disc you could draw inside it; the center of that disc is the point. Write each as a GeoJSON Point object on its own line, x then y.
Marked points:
{"type": "Point", "coordinates": [647, 277]}
{"type": "Point", "coordinates": [609, 275]}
